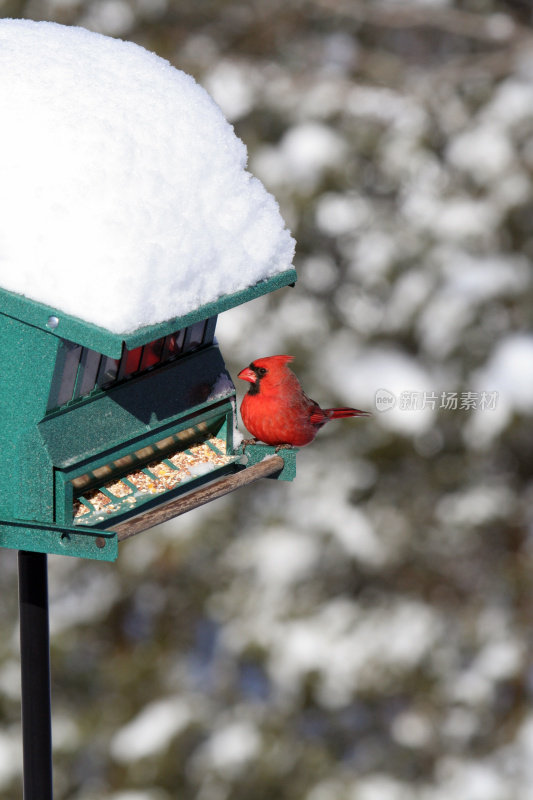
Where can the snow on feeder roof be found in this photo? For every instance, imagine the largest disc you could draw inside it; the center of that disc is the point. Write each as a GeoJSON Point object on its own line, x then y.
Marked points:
{"type": "Point", "coordinates": [124, 196]}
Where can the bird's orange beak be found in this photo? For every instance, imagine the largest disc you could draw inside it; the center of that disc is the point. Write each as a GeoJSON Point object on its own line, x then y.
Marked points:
{"type": "Point", "coordinates": [247, 374]}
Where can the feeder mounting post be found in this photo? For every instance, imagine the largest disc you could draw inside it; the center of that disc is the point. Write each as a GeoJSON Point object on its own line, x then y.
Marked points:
{"type": "Point", "coordinates": [35, 674]}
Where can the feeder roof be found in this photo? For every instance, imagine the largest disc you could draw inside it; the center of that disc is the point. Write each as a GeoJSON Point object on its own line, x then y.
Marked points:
{"type": "Point", "coordinates": [125, 202]}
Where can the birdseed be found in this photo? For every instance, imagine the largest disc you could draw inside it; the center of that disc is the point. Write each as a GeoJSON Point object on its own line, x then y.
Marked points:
{"type": "Point", "coordinates": [145, 483]}
{"type": "Point", "coordinates": [168, 473]}
{"type": "Point", "coordinates": [80, 509]}
{"type": "Point", "coordinates": [119, 488]}
{"type": "Point", "coordinates": [168, 476]}
{"type": "Point", "coordinates": [97, 499]}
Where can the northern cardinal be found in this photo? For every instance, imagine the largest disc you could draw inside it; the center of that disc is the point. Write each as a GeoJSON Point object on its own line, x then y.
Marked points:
{"type": "Point", "coordinates": [276, 409]}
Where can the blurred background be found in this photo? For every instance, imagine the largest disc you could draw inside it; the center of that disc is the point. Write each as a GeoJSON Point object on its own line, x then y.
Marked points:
{"type": "Point", "coordinates": [364, 633]}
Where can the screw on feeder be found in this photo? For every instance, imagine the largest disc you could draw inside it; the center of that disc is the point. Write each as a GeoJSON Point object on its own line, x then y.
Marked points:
{"type": "Point", "coordinates": [52, 322]}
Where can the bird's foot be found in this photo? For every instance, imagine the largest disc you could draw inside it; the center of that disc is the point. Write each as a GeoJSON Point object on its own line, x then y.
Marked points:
{"type": "Point", "coordinates": [283, 447]}
{"type": "Point", "coordinates": [246, 442]}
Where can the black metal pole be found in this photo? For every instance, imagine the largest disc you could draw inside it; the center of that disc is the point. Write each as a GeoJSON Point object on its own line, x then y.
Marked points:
{"type": "Point", "coordinates": [35, 672]}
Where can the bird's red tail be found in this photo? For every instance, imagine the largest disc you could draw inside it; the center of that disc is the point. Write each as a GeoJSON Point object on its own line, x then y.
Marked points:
{"type": "Point", "coordinates": [339, 413]}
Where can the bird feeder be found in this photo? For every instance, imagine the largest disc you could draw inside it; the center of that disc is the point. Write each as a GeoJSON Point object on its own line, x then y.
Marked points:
{"type": "Point", "coordinates": [117, 253]}
{"type": "Point", "coordinates": [100, 430]}
{"type": "Point", "coordinates": [128, 224]}
{"type": "Point", "coordinates": [103, 437]}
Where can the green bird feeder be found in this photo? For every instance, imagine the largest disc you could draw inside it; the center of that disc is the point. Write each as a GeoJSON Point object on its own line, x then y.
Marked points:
{"type": "Point", "coordinates": [128, 224]}
{"type": "Point", "coordinates": [103, 437]}
{"type": "Point", "coordinates": [103, 434]}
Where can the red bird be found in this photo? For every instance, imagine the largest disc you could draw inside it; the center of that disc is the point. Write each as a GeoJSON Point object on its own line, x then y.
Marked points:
{"type": "Point", "coordinates": [276, 409]}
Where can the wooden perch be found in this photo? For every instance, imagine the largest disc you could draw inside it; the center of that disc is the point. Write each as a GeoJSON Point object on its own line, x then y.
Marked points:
{"type": "Point", "coordinates": [180, 505]}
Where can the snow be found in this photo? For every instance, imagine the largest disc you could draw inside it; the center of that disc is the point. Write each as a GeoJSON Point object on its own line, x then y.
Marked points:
{"type": "Point", "coordinates": [124, 198]}
{"type": "Point", "coordinates": [113, 17]}
{"type": "Point", "coordinates": [500, 660]}
{"type": "Point", "coordinates": [358, 377]}
{"type": "Point", "coordinates": [484, 152]}
{"type": "Point", "coordinates": [9, 756]}
{"type": "Point", "coordinates": [238, 438]}
{"type": "Point", "coordinates": [350, 648]}
{"type": "Point", "coordinates": [387, 106]}
{"type": "Point", "coordinates": [380, 787]}
{"type": "Point", "coordinates": [409, 294]}
{"type": "Point", "coordinates": [197, 470]}
{"type": "Point", "coordinates": [459, 724]}
{"type": "Point", "coordinates": [134, 795]}
{"type": "Point", "coordinates": [66, 734]}
{"type": "Point", "coordinates": [512, 101]}
{"type": "Point", "coordinates": [279, 556]}
{"type": "Point", "coordinates": [231, 747]}
{"type": "Point", "coordinates": [411, 729]}
{"type": "Point", "coordinates": [374, 254]}
{"type": "Point", "coordinates": [10, 680]}
{"type": "Point", "coordinates": [469, 780]}
{"type": "Point", "coordinates": [480, 279]}
{"type": "Point", "coordinates": [305, 152]}
{"type": "Point", "coordinates": [508, 372]}
{"type": "Point", "coordinates": [467, 282]}
{"type": "Point", "coordinates": [89, 600]}
{"type": "Point", "coordinates": [319, 273]}
{"type": "Point", "coordinates": [151, 730]}
{"type": "Point", "coordinates": [337, 214]}
{"type": "Point", "coordinates": [457, 219]}
{"type": "Point", "coordinates": [350, 527]}
{"type": "Point", "coordinates": [229, 86]}
{"type": "Point", "coordinates": [475, 506]}
{"type": "Point", "coordinates": [328, 789]}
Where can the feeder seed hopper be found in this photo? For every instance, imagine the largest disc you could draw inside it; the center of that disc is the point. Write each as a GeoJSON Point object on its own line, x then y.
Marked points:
{"type": "Point", "coordinates": [104, 435]}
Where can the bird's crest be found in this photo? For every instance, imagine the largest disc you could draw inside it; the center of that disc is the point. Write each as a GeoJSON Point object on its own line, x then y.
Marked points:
{"type": "Point", "coordinates": [273, 361]}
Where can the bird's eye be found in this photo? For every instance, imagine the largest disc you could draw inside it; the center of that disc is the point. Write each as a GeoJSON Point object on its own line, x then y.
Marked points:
{"type": "Point", "coordinates": [261, 371]}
